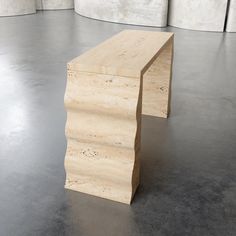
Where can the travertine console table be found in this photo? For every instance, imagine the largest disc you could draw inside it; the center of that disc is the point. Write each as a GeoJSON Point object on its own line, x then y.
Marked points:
{"type": "Point", "coordinates": [108, 89]}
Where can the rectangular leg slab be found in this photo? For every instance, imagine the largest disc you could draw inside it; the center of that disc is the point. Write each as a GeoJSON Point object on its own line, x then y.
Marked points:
{"type": "Point", "coordinates": [157, 84]}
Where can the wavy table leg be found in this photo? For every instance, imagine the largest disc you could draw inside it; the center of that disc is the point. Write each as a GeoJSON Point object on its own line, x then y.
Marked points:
{"type": "Point", "coordinates": [103, 133]}
{"type": "Point", "coordinates": [103, 127]}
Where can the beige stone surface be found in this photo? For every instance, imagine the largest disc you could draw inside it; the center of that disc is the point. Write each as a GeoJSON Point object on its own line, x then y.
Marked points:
{"type": "Point", "coordinates": [106, 90]}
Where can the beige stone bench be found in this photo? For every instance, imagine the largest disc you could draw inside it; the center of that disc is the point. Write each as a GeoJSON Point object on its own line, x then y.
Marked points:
{"type": "Point", "coordinates": [108, 89]}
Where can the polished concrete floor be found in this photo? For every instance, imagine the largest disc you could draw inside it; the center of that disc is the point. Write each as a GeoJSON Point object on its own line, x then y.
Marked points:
{"type": "Point", "coordinates": [188, 169]}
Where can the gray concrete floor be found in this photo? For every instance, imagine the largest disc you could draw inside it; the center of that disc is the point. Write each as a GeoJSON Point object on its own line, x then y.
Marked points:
{"type": "Point", "coordinates": [188, 161]}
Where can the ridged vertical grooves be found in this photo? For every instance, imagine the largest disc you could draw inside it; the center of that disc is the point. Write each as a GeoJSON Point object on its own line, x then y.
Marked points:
{"type": "Point", "coordinates": [136, 166]}
{"type": "Point", "coordinates": [103, 134]}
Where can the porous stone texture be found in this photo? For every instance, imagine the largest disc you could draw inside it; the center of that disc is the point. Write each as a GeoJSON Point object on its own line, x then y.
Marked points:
{"type": "Point", "coordinates": [138, 12]}
{"type": "Point", "coordinates": [208, 15]}
{"type": "Point", "coordinates": [19, 7]}
{"type": "Point", "coordinates": [54, 4]}
{"type": "Point", "coordinates": [231, 22]}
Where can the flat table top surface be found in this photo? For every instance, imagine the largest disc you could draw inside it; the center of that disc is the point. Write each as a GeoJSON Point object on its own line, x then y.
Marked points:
{"type": "Point", "coordinates": [125, 54]}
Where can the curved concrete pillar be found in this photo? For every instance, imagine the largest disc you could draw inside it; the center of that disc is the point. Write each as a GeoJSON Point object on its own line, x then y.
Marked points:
{"type": "Point", "coordinates": [137, 12]}
{"type": "Point", "coordinates": [208, 15]}
{"type": "Point", "coordinates": [17, 7]}
{"type": "Point", "coordinates": [54, 4]}
{"type": "Point", "coordinates": [231, 23]}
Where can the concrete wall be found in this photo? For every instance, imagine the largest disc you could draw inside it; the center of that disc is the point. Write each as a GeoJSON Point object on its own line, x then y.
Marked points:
{"type": "Point", "coordinates": [54, 4]}
{"type": "Point", "coordinates": [208, 15]}
{"type": "Point", "coordinates": [231, 23]}
{"type": "Point", "coordinates": [139, 12]}
{"type": "Point", "coordinates": [16, 7]}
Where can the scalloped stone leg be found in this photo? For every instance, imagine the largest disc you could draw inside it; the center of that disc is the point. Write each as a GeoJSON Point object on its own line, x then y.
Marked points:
{"type": "Point", "coordinates": [103, 134]}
